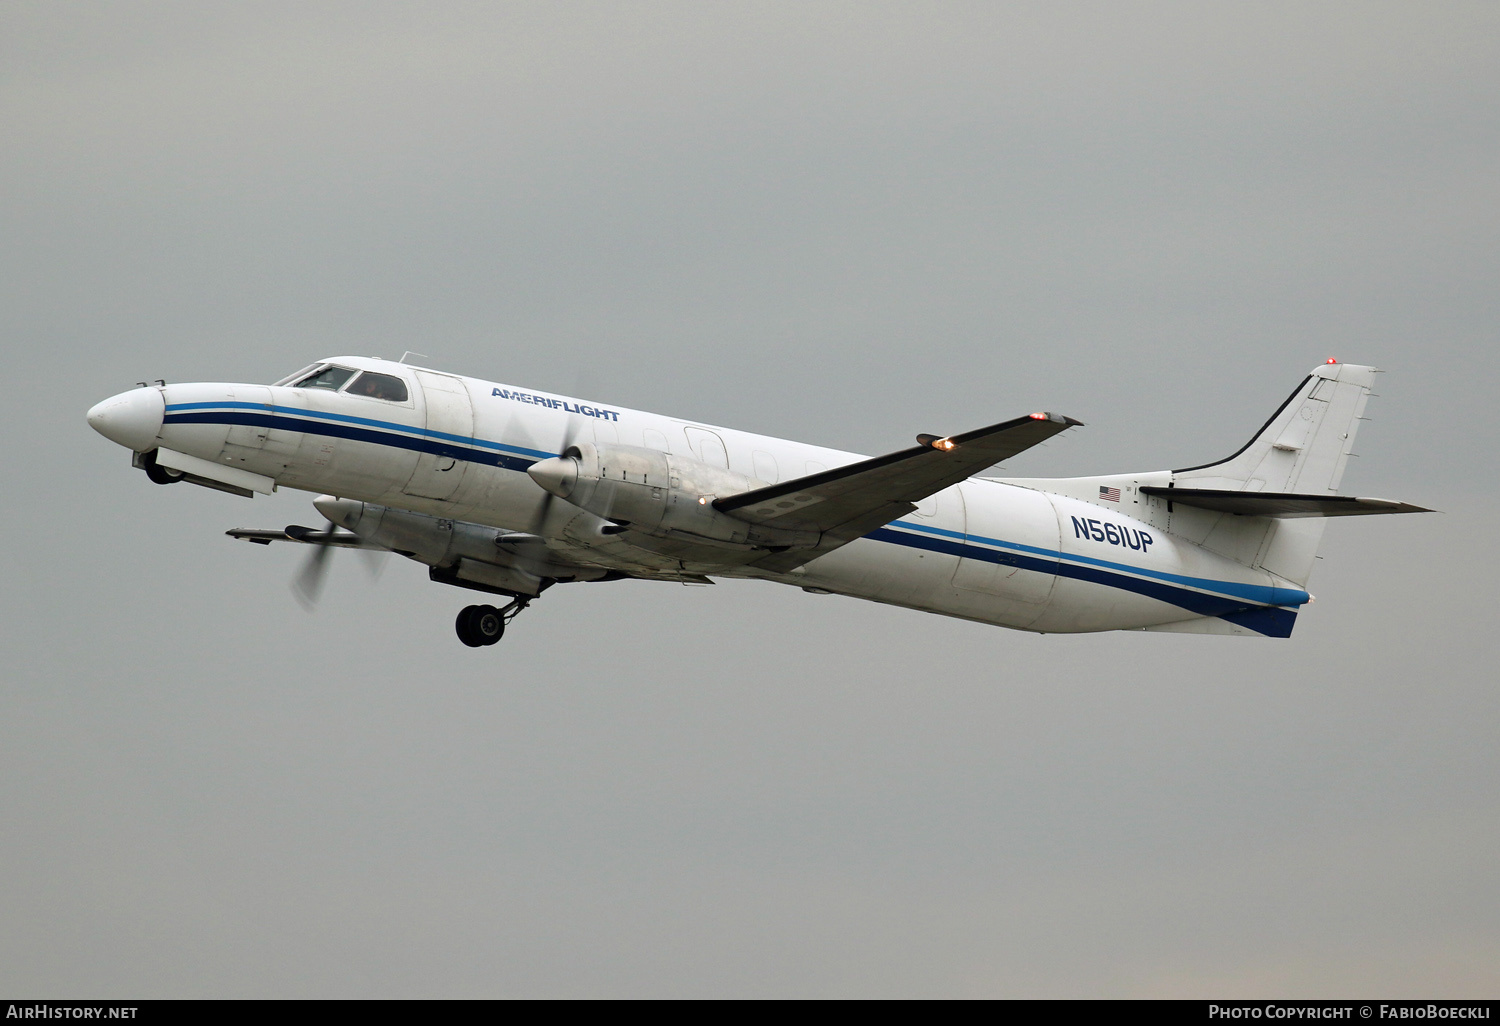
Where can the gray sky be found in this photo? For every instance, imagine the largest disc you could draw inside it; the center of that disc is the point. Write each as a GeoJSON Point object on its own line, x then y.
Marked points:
{"type": "Point", "coordinates": [844, 223]}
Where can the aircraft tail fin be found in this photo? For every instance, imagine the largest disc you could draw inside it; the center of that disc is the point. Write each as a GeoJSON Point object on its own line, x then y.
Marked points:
{"type": "Point", "coordinates": [1305, 445]}
{"type": "Point", "coordinates": [1302, 449]}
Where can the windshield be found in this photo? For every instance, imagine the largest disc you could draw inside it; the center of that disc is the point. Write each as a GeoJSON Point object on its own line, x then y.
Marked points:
{"type": "Point", "coordinates": [328, 377]}
{"type": "Point", "coordinates": [300, 374]}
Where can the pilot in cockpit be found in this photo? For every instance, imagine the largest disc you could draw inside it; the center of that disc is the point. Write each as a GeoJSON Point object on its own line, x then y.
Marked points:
{"type": "Point", "coordinates": [379, 386]}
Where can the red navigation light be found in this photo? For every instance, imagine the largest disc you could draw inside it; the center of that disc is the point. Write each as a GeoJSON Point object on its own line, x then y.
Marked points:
{"type": "Point", "coordinates": [1038, 416]}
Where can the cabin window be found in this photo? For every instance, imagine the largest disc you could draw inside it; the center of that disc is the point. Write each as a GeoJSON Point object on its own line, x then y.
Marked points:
{"type": "Point", "coordinates": [379, 386]}
{"type": "Point", "coordinates": [328, 377]}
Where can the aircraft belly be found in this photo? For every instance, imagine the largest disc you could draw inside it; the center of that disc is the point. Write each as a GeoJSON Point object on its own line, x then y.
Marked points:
{"type": "Point", "coordinates": [1081, 606]}
{"type": "Point", "coordinates": [893, 574]}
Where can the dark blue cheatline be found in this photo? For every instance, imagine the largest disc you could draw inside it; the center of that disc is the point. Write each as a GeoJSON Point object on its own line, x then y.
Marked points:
{"type": "Point", "coordinates": [1264, 619]}
{"type": "Point", "coordinates": [335, 425]}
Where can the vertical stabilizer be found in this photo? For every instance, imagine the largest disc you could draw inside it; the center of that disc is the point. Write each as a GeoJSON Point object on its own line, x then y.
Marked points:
{"type": "Point", "coordinates": [1303, 449]}
{"type": "Point", "coordinates": [1304, 446]}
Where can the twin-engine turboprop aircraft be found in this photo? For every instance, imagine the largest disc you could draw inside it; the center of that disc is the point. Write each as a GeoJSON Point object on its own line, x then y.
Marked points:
{"type": "Point", "coordinates": [509, 491]}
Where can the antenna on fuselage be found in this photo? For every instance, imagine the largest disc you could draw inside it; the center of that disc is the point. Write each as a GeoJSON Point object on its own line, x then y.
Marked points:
{"type": "Point", "coordinates": [410, 353]}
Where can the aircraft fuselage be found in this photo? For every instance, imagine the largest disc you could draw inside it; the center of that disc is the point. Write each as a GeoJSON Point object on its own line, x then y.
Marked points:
{"type": "Point", "coordinates": [1019, 555]}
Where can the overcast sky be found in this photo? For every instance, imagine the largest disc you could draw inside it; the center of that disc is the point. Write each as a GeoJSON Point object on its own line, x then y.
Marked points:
{"type": "Point", "coordinates": [842, 223]}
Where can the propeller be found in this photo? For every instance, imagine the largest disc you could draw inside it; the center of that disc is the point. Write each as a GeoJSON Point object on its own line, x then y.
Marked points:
{"type": "Point", "coordinates": [571, 430]}
{"type": "Point", "coordinates": [527, 558]}
{"type": "Point", "coordinates": [582, 384]}
{"type": "Point", "coordinates": [308, 584]}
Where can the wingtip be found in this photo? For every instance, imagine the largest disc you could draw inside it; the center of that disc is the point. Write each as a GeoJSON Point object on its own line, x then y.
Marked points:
{"type": "Point", "coordinates": [1393, 505]}
{"type": "Point", "coordinates": [1057, 418]}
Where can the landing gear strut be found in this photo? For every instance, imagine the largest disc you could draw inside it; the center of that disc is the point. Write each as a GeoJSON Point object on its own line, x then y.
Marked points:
{"type": "Point", "coordinates": [478, 626]}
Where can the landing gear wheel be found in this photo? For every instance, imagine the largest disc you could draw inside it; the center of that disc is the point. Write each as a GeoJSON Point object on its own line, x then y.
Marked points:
{"type": "Point", "coordinates": [158, 474]}
{"type": "Point", "coordinates": [463, 625]}
{"type": "Point", "coordinates": [487, 624]}
{"type": "Point", "coordinates": [478, 626]}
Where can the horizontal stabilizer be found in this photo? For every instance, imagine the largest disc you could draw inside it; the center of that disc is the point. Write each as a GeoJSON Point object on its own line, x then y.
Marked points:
{"type": "Point", "coordinates": [1281, 505]}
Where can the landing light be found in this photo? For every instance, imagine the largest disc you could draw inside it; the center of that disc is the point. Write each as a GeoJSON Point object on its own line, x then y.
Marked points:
{"type": "Point", "coordinates": [945, 444]}
{"type": "Point", "coordinates": [703, 500]}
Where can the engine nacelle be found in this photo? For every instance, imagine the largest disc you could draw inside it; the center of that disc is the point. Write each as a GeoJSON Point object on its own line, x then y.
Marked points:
{"type": "Point", "coordinates": [659, 494]}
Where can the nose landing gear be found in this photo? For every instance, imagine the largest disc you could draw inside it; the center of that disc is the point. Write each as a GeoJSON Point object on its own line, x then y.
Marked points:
{"type": "Point", "coordinates": [478, 626]}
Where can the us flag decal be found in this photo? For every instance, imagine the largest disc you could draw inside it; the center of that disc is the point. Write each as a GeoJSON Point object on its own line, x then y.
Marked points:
{"type": "Point", "coordinates": [1112, 494]}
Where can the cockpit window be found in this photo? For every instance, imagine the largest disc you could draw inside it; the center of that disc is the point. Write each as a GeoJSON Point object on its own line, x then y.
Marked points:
{"type": "Point", "coordinates": [328, 377]}
{"type": "Point", "coordinates": [304, 372]}
{"type": "Point", "coordinates": [378, 386]}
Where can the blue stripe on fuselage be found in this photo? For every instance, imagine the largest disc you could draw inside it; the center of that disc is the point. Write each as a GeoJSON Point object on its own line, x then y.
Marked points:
{"type": "Point", "coordinates": [291, 420]}
{"type": "Point", "coordinates": [1260, 594]}
{"type": "Point", "coordinates": [437, 443]}
{"type": "Point", "coordinates": [1196, 601]}
{"type": "Point", "coordinates": [1265, 619]}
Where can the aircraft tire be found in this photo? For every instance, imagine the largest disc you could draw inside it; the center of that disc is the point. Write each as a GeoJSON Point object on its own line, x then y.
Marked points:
{"type": "Point", "coordinates": [158, 474]}
{"type": "Point", "coordinates": [463, 625]}
{"type": "Point", "coordinates": [487, 624]}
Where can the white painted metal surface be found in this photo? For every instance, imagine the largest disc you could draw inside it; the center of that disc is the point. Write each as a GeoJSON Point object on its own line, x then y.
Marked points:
{"type": "Point", "coordinates": [215, 471]}
{"type": "Point", "coordinates": [444, 477]}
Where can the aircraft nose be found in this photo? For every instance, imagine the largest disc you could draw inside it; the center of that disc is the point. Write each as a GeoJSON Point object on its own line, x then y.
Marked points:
{"type": "Point", "coordinates": [132, 419]}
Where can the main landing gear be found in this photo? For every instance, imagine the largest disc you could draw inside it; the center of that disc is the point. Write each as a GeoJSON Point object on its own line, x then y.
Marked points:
{"type": "Point", "coordinates": [478, 626]}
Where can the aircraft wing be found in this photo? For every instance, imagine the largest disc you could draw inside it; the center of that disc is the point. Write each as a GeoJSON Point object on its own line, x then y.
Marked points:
{"type": "Point", "coordinates": [848, 502]}
{"type": "Point", "coordinates": [306, 535]}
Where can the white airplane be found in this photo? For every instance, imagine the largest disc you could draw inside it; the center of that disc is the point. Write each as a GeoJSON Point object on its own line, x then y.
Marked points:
{"type": "Point", "coordinates": [510, 491]}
